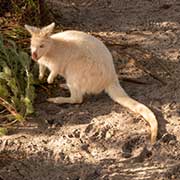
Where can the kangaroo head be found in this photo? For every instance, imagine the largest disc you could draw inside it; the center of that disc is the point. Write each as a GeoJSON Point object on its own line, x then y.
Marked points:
{"type": "Point", "coordinates": [40, 40]}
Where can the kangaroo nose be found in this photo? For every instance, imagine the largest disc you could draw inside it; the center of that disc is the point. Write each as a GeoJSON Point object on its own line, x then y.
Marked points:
{"type": "Point", "coordinates": [34, 56]}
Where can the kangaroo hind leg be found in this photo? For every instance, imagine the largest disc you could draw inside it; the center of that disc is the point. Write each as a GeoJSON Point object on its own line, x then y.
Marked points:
{"type": "Point", "coordinates": [75, 97]}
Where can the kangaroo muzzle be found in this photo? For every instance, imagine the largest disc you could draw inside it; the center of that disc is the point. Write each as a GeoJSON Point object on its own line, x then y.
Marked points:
{"type": "Point", "coordinates": [34, 56]}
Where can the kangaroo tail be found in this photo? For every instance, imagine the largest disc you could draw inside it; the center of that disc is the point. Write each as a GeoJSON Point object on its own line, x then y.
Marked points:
{"type": "Point", "coordinates": [117, 93]}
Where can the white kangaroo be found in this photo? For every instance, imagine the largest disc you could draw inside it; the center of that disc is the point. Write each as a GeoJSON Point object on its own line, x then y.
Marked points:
{"type": "Point", "coordinates": [86, 64]}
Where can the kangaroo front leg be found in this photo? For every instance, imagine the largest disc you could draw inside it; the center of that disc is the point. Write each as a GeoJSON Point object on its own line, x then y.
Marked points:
{"type": "Point", "coordinates": [51, 77]}
{"type": "Point", "coordinates": [76, 97]}
{"type": "Point", "coordinates": [42, 70]}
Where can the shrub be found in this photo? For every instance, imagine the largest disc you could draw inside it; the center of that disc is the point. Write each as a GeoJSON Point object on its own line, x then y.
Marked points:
{"type": "Point", "coordinates": [16, 81]}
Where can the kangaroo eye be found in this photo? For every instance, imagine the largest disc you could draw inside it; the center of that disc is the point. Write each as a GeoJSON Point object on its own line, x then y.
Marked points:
{"type": "Point", "coordinates": [41, 46]}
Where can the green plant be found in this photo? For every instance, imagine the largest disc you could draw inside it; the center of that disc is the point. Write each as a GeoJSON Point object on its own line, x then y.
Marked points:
{"type": "Point", "coordinates": [16, 81]}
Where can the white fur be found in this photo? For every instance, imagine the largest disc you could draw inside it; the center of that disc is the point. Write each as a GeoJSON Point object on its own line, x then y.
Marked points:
{"type": "Point", "coordinates": [86, 64]}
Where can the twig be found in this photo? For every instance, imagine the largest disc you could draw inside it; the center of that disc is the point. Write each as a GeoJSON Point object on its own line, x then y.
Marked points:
{"type": "Point", "coordinates": [146, 70]}
{"type": "Point", "coordinates": [3, 111]}
{"type": "Point", "coordinates": [11, 109]}
{"type": "Point", "coordinates": [134, 81]}
{"type": "Point", "coordinates": [9, 124]}
{"type": "Point", "coordinates": [46, 89]}
{"type": "Point", "coordinates": [165, 68]}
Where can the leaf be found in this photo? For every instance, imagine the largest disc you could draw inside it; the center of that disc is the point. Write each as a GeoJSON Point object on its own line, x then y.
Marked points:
{"type": "Point", "coordinates": [3, 90]}
{"type": "Point", "coordinates": [3, 131]}
{"type": "Point", "coordinates": [29, 107]}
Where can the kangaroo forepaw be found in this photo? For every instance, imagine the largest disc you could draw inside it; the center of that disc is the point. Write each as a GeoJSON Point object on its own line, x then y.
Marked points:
{"type": "Point", "coordinates": [50, 80]}
{"type": "Point", "coordinates": [41, 77]}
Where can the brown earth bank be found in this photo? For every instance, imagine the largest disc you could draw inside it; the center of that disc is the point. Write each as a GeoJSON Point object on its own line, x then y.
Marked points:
{"type": "Point", "coordinates": [100, 139]}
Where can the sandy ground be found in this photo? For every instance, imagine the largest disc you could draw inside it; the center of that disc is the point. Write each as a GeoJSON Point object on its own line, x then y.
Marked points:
{"type": "Point", "coordinates": [100, 139]}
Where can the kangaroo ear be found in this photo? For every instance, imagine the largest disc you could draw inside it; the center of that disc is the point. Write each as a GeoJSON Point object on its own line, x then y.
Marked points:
{"type": "Point", "coordinates": [47, 30]}
{"type": "Point", "coordinates": [31, 29]}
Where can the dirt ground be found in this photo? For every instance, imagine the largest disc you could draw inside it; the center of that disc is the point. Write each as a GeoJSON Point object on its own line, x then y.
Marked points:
{"type": "Point", "coordinates": [100, 139]}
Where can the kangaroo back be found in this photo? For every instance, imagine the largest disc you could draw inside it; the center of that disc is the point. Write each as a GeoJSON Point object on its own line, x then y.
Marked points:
{"type": "Point", "coordinates": [116, 92]}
